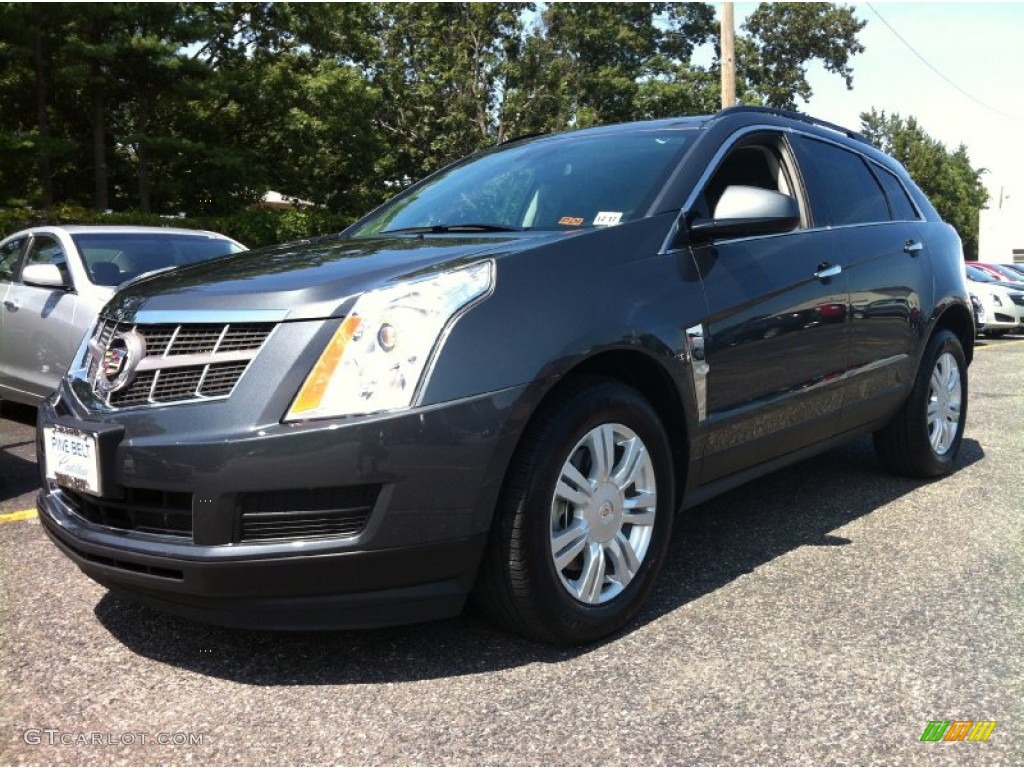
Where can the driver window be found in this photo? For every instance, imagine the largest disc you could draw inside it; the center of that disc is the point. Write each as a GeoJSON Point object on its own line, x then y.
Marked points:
{"type": "Point", "coordinates": [46, 250]}
{"type": "Point", "coordinates": [757, 162]}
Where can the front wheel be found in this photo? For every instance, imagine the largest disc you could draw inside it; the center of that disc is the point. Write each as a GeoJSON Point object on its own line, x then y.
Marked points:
{"type": "Point", "coordinates": [585, 517]}
{"type": "Point", "coordinates": [923, 439]}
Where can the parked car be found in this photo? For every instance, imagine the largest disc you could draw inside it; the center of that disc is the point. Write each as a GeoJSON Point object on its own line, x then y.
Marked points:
{"type": "Point", "coordinates": [1005, 272]}
{"type": "Point", "coordinates": [508, 379]}
{"type": "Point", "coordinates": [1018, 268]}
{"type": "Point", "coordinates": [980, 314]}
{"type": "Point", "coordinates": [1003, 302]}
{"type": "Point", "coordinates": [995, 275]}
{"type": "Point", "coordinates": [979, 275]}
{"type": "Point", "coordinates": [53, 281]}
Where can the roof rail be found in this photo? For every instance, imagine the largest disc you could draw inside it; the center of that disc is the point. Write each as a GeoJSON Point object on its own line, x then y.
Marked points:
{"type": "Point", "coordinates": [793, 115]}
{"type": "Point", "coordinates": [522, 136]}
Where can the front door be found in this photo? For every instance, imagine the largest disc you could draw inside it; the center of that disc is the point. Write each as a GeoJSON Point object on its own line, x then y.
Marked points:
{"type": "Point", "coordinates": [39, 333]}
{"type": "Point", "coordinates": [776, 340]}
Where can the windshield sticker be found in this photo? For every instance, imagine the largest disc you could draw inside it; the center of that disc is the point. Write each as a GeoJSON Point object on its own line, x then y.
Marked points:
{"type": "Point", "coordinates": [570, 221]}
{"type": "Point", "coordinates": [607, 218]}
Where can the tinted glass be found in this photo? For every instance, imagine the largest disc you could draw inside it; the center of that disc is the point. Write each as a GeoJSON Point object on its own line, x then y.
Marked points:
{"type": "Point", "coordinates": [9, 258]}
{"type": "Point", "coordinates": [899, 201]}
{"type": "Point", "coordinates": [47, 250]}
{"type": "Point", "coordinates": [1007, 272]}
{"type": "Point", "coordinates": [563, 182]}
{"type": "Point", "coordinates": [979, 275]}
{"type": "Point", "coordinates": [843, 190]}
{"type": "Point", "coordinates": [114, 258]}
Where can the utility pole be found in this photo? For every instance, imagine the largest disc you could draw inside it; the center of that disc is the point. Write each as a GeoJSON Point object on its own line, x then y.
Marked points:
{"type": "Point", "coordinates": [728, 40]}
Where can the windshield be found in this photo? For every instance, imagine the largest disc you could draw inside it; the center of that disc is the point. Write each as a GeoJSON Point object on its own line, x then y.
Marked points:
{"type": "Point", "coordinates": [113, 258]}
{"type": "Point", "coordinates": [553, 183]}
{"type": "Point", "coordinates": [1008, 273]}
{"type": "Point", "coordinates": [979, 275]}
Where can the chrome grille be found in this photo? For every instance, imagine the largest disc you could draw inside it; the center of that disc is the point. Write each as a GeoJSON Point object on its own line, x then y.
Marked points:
{"type": "Point", "coordinates": [182, 362]}
{"type": "Point", "coordinates": [1017, 298]}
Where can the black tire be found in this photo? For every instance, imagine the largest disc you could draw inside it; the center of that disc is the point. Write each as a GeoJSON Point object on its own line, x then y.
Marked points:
{"type": "Point", "coordinates": [520, 586]}
{"type": "Point", "coordinates": [915, 444]}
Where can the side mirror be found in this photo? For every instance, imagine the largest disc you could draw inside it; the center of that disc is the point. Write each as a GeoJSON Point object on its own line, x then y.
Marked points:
{"type": "Point", "coordinates": [745, 211]}
{"type": "Point", "coordinates": [43, 275]}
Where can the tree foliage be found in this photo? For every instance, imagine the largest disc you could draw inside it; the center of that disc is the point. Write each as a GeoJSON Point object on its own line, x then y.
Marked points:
{"type": "Point", "coordinates": [949, 180]}
{"type": "Point", "coordinates": [783, 38]}
{"type": "Point", "coordinates": [203, 107]}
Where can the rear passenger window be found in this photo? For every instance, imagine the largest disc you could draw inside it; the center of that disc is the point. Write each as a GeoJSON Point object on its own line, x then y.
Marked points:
{"type": "Point", "coordinates": [899, 201]}
{"type": "Point", "coordinates": [842, 188]}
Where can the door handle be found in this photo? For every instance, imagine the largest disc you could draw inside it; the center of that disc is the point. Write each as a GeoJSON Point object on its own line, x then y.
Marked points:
{"type": "Point", "coordinates": [12, 305]}
{"type": "Point", "coordinates": [912, 247]}
{"type": "Point", "coordinates": [826, 270]}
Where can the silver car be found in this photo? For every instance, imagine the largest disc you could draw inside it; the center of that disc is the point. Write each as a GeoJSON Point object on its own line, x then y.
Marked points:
{"type": "Point", "coordinates": [54, 280]}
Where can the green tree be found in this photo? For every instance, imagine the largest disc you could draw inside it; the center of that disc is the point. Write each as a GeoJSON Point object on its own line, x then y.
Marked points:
{"type": "Point", "coordinates": [782, 38]}
{"type": "Point", "coordinates": [441, 75]}
{"type": "Point", "coordinates": [203, 107]}
{"type": "Point", "coordinates": [952, 184]}
{"type": "Point", "coordinates": [32, 64]}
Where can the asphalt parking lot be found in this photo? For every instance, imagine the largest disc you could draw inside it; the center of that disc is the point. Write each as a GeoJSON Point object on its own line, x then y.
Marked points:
{"type": "Point", "coordinates": [823, 615]}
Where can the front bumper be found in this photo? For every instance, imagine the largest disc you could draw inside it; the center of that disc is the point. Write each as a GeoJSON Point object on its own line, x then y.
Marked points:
{"type": "Point", "coordinates": [228, 527]}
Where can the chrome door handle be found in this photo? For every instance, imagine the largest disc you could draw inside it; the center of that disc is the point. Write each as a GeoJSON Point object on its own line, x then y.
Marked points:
{"type": "Point", "coordinates": [912, 246]}
{"type": "Point", "coordinates": [826, 270]}
{"type": "Point", "coordinates": [12, 305]}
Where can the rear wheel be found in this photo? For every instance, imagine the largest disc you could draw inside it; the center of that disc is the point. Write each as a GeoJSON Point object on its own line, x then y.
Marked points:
{"type": "Point", "coordinates": [924, 437]}
{"type": "Point", "coordinates": [585, 517]}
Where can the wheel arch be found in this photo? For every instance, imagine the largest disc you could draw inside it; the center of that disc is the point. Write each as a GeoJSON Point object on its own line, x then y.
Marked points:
{"type": "Point", "coordinates": [509, 582]}
{"type": "Point", "coordinates": [649, 377]}
{"type": "Point", "coordinates": [959, 320]}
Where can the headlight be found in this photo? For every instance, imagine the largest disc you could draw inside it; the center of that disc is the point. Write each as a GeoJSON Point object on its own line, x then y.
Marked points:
{"type": "Point", "coordinates": [376, 359]}
{"type": "Point", "coordinates": [996, 300]}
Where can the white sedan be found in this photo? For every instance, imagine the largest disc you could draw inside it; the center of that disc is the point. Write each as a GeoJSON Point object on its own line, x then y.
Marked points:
{"type": "Point", "coordinates": [54, 280]}
{"type": "Point", "coordinates": [1003, 304]}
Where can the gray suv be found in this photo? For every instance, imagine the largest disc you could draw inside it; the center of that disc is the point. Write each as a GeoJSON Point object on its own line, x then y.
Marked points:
{"type": "Point", "coordinates": [505, 382]}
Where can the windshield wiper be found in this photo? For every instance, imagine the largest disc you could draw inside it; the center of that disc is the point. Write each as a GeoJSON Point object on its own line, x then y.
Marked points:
{"type": "Point", "coordinates": [439, 229]}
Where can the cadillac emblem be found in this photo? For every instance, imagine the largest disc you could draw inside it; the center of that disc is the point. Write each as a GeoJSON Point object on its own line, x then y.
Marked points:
{"type": "Point", "coordinates": [116, 368]}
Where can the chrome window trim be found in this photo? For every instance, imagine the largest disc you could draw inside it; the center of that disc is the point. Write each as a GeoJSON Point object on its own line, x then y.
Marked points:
{"type": "Point", "coordinates": [731, 142]}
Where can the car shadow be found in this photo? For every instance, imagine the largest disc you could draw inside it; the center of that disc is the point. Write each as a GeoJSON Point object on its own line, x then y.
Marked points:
{"type": "Point", "coordinates": [23, 414]}
{"type": "Point", "coordinates": [713, 544]}
{"type": "Point", "coordinates": [18, 475]}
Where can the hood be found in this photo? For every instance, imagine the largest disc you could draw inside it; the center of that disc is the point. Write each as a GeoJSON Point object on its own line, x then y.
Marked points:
{"type": "Point", "coordinates": [307, 280]}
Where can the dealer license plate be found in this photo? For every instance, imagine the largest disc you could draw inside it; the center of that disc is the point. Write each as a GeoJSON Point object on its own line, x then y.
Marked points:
{"type": "Point", "coordinates": [72, 459]}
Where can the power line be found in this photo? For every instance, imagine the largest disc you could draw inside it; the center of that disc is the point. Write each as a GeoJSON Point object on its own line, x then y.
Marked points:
{"type": "Point", "coordinates": [936, 71]}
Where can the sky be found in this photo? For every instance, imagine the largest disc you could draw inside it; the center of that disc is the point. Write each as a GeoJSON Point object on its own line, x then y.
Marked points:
{"type": "Point", "coordinates": [976, 46]}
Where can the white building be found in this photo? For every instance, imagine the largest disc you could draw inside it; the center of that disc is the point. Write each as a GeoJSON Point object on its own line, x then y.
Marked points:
{"type": "Point", "coordinates": [1001, 229]}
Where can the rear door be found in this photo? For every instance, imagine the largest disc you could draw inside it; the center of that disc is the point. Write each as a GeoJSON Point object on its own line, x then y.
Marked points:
{"type": "Point", "coordinates": [886, 262]}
